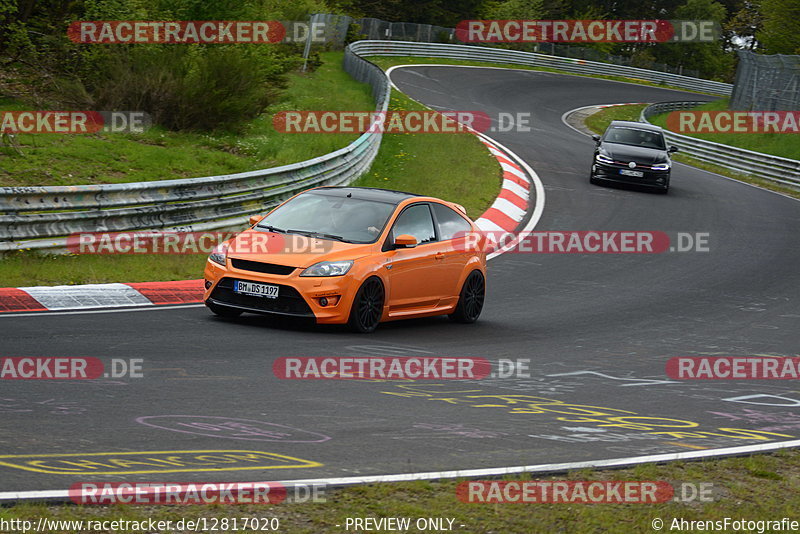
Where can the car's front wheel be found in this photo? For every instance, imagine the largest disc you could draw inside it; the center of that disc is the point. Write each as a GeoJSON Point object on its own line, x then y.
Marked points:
{"type": "Point", "coordinates": [470, 301]}
{"type": "Point", "coordinates": [592, 178]}
{"type": "Point", "coordinates": [223, 311]}
{"type": "Point", "coordinates": [367, 310]}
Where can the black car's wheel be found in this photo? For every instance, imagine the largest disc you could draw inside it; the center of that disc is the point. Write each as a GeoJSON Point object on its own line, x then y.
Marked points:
{"type": "Point", "coordinates": [367, 307]}
{"type": "Point", "coordinates": [592, 178]}
{"type": "Point", "coordinates": [223, 311]}
{"type": "Point", "coordinates": [470, 301]}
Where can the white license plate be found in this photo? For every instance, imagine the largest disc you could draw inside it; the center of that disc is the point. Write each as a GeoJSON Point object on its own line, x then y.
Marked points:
{"type": "Point", "coordinates": [252, 288]}
{"type": "Point", "coordinates": [626, 172]}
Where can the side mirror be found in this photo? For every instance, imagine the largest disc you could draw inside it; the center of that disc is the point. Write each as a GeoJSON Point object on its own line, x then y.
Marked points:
{"type": "Point", "coordinates": [596, 138]}
{"type": "Point", "coordinates": [672, 148]}
{"type": "Point", "coordinates": [405, 241]}
{"type": "Point", "coordinates": [255, 219]}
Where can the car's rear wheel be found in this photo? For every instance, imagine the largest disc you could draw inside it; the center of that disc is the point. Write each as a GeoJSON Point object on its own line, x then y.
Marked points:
{"type": "Point", "coordinates": [470, 301]}
{"type": "Point", "coordinates": [223, 311]}
{"type": "Point", "coordinates": [367, 310]}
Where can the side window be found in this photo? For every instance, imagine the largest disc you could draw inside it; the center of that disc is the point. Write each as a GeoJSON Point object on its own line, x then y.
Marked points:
{"type": "Point", "coordinates": [416, 221]}
{"type": "Point", "coordinates": [450, 223]}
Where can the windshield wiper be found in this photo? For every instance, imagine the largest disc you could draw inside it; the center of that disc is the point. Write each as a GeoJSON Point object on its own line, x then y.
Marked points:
{"type": "Point", "coordinates": [317, 234]}
{"type": "Point", "coordinates": [271, 228]}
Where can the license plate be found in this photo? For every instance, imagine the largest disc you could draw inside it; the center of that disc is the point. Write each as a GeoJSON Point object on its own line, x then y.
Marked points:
{"type": "Point", "coordinates": [253, 288]}
{"type": "Point", "coordinates": [627, 172]}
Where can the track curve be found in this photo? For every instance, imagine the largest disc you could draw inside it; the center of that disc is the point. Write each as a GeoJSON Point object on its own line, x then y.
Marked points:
{"type": "Point", "coordinates": [597, 328]}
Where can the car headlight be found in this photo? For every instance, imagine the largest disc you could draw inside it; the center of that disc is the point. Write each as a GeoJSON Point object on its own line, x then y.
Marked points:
{"type": "Point", "coordinates": [660, 167]}
{"type": "Point", "coordinates": [603, 159]}
{"type": "Point", "coordinates": [219, 254]}
{"type": "Point", "coordinates": [328, 268]}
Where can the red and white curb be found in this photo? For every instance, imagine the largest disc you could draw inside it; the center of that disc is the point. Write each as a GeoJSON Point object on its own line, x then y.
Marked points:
{"type": "Point", "coordinates": [506, 214]}
{"type": "Point", "coordinates": [509, 208]}
{"type": "Point", "coordinates": [61, 298]}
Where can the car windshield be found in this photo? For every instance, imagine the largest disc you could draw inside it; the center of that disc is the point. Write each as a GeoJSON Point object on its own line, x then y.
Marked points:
{"type": "Point", "coordinates": [341, 218]}
{"type": "Point", "coordinates": [635, 137]}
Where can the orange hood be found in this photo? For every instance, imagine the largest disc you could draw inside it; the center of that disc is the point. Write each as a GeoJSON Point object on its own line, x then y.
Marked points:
{"type": "Point", "coordinates": [293, 250]}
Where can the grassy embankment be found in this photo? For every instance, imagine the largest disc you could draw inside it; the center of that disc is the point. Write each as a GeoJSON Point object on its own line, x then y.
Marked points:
{"type": "Point", "coordinates": [455, 167]}
{"type": "Point", "coordinates": [751, 488]}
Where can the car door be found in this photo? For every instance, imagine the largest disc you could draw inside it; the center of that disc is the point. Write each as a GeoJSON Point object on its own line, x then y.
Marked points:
{"type": "Point", "coordinates": [453, 230]}
{"type": "Point", "coordinates": [415, 274]}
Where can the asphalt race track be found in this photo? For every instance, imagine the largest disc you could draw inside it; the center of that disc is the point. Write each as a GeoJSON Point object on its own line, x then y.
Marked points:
{"type": "Point", "coordinates": [598, 330]}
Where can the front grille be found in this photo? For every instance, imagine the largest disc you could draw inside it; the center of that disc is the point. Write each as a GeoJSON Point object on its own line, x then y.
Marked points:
{"type": "Point", "coordinates": [259, 267]}
{"type": "Point", "coordinates": [288, 302]}
{"type": "Point", "coordinates": [638, 165]}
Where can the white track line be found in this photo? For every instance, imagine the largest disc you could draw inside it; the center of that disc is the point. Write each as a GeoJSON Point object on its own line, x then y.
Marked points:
{"type": "Point", "coordinates": [46, 313]}
{"type": "Point", "coordinates": [507, 184]}
{"type": "Point", "coordinates": [471, 473]}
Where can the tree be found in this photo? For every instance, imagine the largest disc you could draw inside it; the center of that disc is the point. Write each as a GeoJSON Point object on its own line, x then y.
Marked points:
{"type": "Point", "coordinates": [513, 10]}
{"type": "Point", "coordinates": [740, 30]}
{"type": "Point", "coordinates": [780, 33]}
{"type": "Point", "coordinates": [437, 12]}
{"type": "Point", "coordinates": [710, 59]}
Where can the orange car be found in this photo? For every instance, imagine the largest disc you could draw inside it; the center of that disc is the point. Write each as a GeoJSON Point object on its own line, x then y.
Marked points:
{"type": "Point", "coordinates": [352, 255]}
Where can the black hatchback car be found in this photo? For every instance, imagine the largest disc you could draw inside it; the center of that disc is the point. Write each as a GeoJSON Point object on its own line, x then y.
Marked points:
{"type": "Point", "coordinates": [632, 153]}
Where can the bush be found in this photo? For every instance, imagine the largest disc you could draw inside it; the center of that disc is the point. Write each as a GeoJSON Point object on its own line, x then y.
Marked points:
{"type": "Point", "coordinates": [182, 87]}
{"type": "Point", "coordinates": [189, 87]}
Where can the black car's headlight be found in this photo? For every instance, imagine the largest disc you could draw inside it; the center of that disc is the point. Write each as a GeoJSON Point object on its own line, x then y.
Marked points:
{"type": "Point", "coordinates": [328, 268]}
{"type": "Point", "coordinates": [660, 167]}
{"type": "Point", "coordinates": [601, 158]}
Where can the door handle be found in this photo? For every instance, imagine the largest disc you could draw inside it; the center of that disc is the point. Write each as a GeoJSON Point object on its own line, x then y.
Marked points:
{"type": "Point", "coordinates": [439, 255]}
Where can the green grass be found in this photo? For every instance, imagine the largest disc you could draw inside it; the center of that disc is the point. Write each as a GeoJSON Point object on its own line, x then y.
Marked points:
{"type": "Point", "coordinates": [598, 122]}
{"type": "Point", "coordinates": [157, 154]}
{"type": "Point", "coordinates": [782, 145]}
{"type": "Point", "coordinates": [752, 488]}
{"type": "Point", "coordinates": [386, 62]}
{"type": "Point", "coordinates": [22, 269]}
{"type": "Point", "coordinates": [456, 167]}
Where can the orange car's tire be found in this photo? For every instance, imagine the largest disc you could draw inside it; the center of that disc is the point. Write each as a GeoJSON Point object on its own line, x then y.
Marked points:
{"type": "Point", "coordinates": [367, 309]}
{"type": "Point", "coordinates": [470, 301]}
{"type": "Point", "coordinates": [223, 311]}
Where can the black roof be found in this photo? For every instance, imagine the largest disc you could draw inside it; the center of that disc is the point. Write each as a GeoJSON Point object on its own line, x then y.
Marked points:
{"type": "Point", "coordinates": [366, 193]}
{"type": "Point", "coordinates": [637, 125]}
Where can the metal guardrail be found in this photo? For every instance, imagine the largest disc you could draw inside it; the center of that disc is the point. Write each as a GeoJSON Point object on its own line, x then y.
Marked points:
{"type": "Point", "coordinates": [500, 55]}
{"type": "Point", "coordinates": [781, 170]}
{"type": "Point", "coordinates": [41, 217]}
{"type": "Point", "coordinates": [214, 202]}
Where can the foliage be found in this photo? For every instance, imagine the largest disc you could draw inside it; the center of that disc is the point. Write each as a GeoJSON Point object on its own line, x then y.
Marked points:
{"type": "Point", "coordinates": [183, 87]}
{"type": "Point", "coordinates": [437, 12]}
{"type": "Point", "coordinates": [780, 33]}
{"type": "Point", "coordinates": [709, 59]}
{"type": "Point", "coordinates": [240, 80]}
{"type": "Point", "coordinates": [741, 28]}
